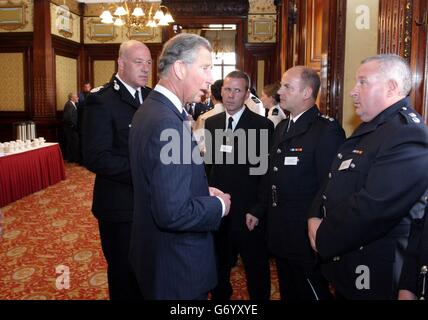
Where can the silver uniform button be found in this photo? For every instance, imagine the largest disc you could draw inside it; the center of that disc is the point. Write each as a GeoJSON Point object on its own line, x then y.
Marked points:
{"type": "Point", "coordinates": [274, 187]}
{"type": "Point", "coordinates": [339, 155]}
{"type": "Point", "coordinates": [329, 175]}
{"type": "Point", "coordinates": [424, 269]}
{"type": "Point", "coordinates": [275, 169]}
{"type": "Point", "coordinates": [274, 204]}
{"type": "Point", "coordinates": [324, 197]}
{"type": "Point", "coordinates": [361, 248]}
{"type": "Point", "coordinates": [278, 151]}
{"type": "Point", "coordinates": [335, 259]}
{"type": "Point", "coordinates": [404, 108]}
{"type": "Point", "coordinates": [352, 165]}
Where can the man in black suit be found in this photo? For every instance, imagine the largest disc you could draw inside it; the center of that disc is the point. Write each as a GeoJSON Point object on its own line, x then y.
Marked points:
{"type": "Point", "coordinates": [243, 231]}
{"type": "Point", "coordinates": [360, 219]}
{"type": "Point", "coordinates": [71, 129]}
{"type": "Point", "coordinates": [303, 148]}
{"type": "Point", "coordinates": [172, 247]}
{"type": "Point", "coordinates": [108, 116]}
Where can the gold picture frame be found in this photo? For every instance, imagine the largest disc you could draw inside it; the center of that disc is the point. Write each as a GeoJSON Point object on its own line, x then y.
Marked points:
{"type": "Point", "coordinates": [13, 16]}
{"type": "Point", "coordinates": [147, 33]}
{"type": "Point", "coordinates": [101, 32]}
{"type": "Point", "coordinates": [262, 28]}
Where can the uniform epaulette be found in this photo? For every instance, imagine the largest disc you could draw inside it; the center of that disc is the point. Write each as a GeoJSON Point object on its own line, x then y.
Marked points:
{"type": "Point", "coordinates": [323, 116]}
{"type": "Point", "coordinates": [409, 115]}
{"type": "Point", "coordinates": [97, 89]}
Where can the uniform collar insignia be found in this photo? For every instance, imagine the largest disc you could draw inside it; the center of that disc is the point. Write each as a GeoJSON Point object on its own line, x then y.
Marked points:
{"type": "Point", "coordinates": [116, 86]}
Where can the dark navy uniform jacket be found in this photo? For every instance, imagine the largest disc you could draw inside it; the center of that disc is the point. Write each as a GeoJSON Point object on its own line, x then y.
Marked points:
{"type": "Point", "coordinates": [107, 120]}
{"type": "Point", "coordinates": [377, 176]}
{"type": "Point", "coordinates": [299, 163]}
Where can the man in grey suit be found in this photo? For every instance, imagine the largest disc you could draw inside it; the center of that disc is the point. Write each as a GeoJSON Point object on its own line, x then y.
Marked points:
{"type": "Point", "coordinates": [175, 212]}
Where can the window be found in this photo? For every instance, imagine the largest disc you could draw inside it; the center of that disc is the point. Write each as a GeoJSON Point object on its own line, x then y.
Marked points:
{"type": "Point", "coordinates": [224, 62]}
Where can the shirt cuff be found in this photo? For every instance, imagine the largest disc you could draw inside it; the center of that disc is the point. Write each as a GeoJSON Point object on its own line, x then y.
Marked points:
{"type": "Point", "coordinates": [223, 206]}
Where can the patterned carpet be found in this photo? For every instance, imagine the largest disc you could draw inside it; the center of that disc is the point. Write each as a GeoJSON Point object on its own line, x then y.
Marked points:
{"type": "Point", "coordinates": [51, 232]}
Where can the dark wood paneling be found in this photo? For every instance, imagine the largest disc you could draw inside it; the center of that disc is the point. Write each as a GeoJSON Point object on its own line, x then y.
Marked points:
{"type": "Point", "coordinates": [395, 27]}
{"type": "Point", "coordinates": [255, 53]}
{"type": "Point", "coordinates": [314, 32]}
{"type": "Point", "coordinates": [333, 60]}
{"type": "Point", "coordinates": [419, 57]}
{"type": "Point", "coordinates": [43, 80]}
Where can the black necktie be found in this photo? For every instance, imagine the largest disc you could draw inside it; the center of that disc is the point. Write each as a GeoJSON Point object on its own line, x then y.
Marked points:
{"type": "Point", "coordinates": [229, 126]}
{"type": "Point", "coordinates": [137, 96]}
{"type": "Point", "coordinates": [290, 125]}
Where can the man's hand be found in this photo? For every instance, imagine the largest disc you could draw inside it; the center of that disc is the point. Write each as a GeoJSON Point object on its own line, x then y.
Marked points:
{"type": "Point", "coordinates": [313, 225]}
{"type": "Point", "coordinates": [406, 295]}
{"type": "Point", "coordinates": [215, 192]}
{"type": "Point", "coordinates": [251, 221]}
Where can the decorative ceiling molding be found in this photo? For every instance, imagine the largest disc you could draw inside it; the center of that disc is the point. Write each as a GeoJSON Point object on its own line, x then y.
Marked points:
{"type": "Point", "coordinates": [207, 7]}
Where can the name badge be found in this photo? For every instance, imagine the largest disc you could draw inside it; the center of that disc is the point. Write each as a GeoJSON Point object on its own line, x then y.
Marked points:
{"type": "Point", "coordinates": [345, 165]}
{"type": "Point", "coordinates": [226, 148]}
{"type": "Point", "coordinates": [291, 161]}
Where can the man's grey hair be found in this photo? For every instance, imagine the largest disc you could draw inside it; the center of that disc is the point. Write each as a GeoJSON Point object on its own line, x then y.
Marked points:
{"type": "Point", "coordinates": [182, 47]}
{"type": "Point", "coordinates": [394, 67]}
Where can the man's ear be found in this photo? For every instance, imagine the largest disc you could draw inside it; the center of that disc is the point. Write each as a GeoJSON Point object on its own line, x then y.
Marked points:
{"type": "Point", "coordinates": [392, 86]}
{"type": "Point", "coordinates": [179, 68]}
{"type": "Point", "coordinates": [120, 64]}
{"type": "Point", "coordinates": [247, 95]}
{"type": "Point", "coordinates": [307, 93]}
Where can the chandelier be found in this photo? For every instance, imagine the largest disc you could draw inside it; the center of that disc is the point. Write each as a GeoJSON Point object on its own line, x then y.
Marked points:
{"type": "Point", "coordinates": [138, 14]}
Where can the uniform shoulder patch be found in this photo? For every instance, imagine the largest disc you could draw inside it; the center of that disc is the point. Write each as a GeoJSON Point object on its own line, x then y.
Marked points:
{"type": "Point", "coordinates": [96, 89]}
{"type": "Point", "coordinates": [255, 99]}
{"type": "Point", "coordinates": [323, 116]}
{"type": "Point", "coordinates": [410, 116]}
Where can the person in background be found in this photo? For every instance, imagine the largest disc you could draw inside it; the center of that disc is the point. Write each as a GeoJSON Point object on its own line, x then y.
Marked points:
{"type": "Point", "coordinates": [71, 129]}
{"type": "Point", "coordinates": [199, 126]}
{"type": "Point", "coordinates": [359, 222]}
{"type": "Point", "coordinates": [254, 104]}
{"type": "Point", "coordinates": [108, 115]}
{"type": "Point", "coordinates": [270, 100]}
{"type": "Point", "coordinates": [175, 212]}
{"type": "Point", "coordinates": [303, 148]}
{"type": "Point", "coordinates": [86, 90]}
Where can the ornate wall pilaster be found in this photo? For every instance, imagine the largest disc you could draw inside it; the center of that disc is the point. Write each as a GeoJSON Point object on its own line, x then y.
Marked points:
{"type": "Point", "coordinates": [395, 27]}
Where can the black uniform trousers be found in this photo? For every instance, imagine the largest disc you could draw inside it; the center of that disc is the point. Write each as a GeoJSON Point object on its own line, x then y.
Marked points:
{"type": "Point", "coordinates": [301, 280]}
{"type": "Point", "coordinates": [251, 246]}
{"type": "Point", "coordinates": [115, 238]}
